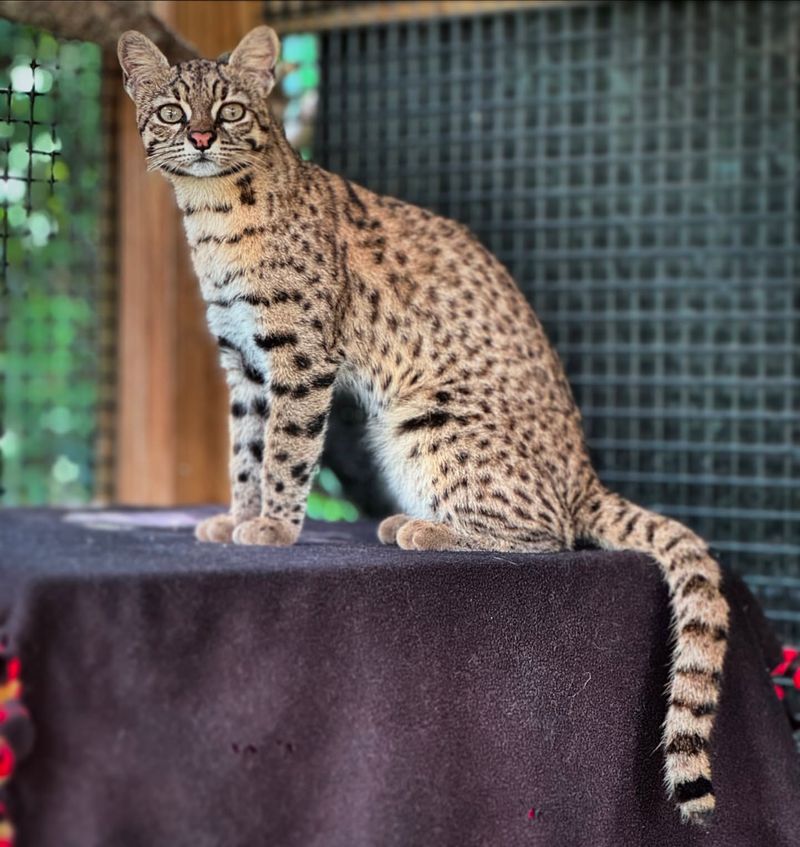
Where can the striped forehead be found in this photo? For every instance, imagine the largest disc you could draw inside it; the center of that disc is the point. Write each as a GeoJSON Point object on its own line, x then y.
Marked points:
{"type": "Point", "coordinates": [199, 82]}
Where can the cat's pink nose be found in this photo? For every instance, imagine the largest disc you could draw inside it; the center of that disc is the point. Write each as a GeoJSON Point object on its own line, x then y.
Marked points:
{"type": "Point", "coordinates": [201, 140]}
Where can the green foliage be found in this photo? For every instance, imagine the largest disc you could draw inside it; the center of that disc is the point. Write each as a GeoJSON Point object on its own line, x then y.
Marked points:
{"type": "Point", "coordinates": [327, 502]}
{"type": "Point", "coordinates": [51, 304]}
{"type": "Point", "coordinates": [300, 85]}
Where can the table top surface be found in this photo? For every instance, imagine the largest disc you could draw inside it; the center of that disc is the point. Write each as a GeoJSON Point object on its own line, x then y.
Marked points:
{"type": "Point", "coordinates": [374, 695]}
{"type": "Point", "coordinates": [97, 542]}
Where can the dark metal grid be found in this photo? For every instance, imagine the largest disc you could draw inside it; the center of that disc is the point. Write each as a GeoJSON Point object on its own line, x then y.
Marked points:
{"type": "Point", "coordinates": [56, 300]}
{"type": "Point", "coordinates": [635, 165]}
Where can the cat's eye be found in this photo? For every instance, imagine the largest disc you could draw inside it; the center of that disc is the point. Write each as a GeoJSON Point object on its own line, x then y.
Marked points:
{"type": "Point", "coordinates": [171, 114]}
{"type": "Point", "coordinates": [231, 112]}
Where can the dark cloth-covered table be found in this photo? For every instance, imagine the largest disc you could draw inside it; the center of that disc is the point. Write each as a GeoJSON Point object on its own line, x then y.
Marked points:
{"type": "Point", "coordinates": [339, 693]}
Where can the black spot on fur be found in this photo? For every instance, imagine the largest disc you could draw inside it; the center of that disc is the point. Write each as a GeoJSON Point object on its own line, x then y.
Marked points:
{"type": "Point", "coordinates": [298, 470]}
{"type": "Point", "coordinates": [698, 711]}
{"type": "Point", "coordinates": [274, 340]}
{"type": "Point", "coordinates": [689, 743]}
{"type": "Point", "coordinates": [355, 200]}
{"type": "Point", "coordinates": [302, 362]}
{"type": "Point", "coordinates": [674, 542]}
{"type": "Point", "coordinates": [685, 791]}
{"type": "Point", "coordinates": [432, 420]}
{"type": "Point", "coordinates": [252, 374]}
{"type": "Point", "coordinates": [317, 424]}
{"type": "Point", "coordinates": [629, 527]}
{"type": "Point", "coordinates": [695, 583]}
{"type": "Point", "coordinates": [696, 627]}
{"type": "Point", "coordinates": [247, 197]}
{"type": "Point", "coordinates": [323, 380]}
{"type": "Point", "coordinates": [260, 407]}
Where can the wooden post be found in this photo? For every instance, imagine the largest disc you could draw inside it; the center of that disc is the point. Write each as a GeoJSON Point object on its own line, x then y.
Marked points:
{"type": "Point", "coordinates": [172, 437]}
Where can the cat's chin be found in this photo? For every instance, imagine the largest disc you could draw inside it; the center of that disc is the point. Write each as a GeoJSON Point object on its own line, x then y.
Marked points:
{"type": "Point", "coordinates": [202, 167]}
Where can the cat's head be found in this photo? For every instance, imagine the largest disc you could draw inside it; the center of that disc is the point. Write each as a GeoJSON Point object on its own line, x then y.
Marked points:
{"type": "Point", "coordinates": [201, 118]}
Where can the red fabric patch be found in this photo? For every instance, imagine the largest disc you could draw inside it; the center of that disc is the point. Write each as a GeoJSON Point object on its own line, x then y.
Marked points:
{"type": "Point", "coordinates": [788, 667]}
{"type": "Point", "coordinates": [781, 669]}
{"type": "Point", "coordinates": [6, 760]}
{"type": "Point", "coordinates": [14, 668]}
{"type": "Point", "coordinates": [15, 721]}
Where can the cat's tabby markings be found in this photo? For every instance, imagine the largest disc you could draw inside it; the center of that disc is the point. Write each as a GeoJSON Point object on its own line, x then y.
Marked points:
{"type": "Point", "coordinates": [310, 280]}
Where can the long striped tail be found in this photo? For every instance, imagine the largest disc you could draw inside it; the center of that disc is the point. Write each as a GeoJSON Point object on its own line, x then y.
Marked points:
{"type": "Point", "coordinates": [700, 619]}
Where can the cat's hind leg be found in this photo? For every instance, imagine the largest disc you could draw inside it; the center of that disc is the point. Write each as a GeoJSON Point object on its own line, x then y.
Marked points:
{"type": "Point", "coordinates": [419, 534]}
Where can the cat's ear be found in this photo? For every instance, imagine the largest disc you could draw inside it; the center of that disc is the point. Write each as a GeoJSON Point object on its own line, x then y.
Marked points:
{"type": "Point", "coordinates": [256, 55]}
{"type": "Point", "coordinates": [140, 59]}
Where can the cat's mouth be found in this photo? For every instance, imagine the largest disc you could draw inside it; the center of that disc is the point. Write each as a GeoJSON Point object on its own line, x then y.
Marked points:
{"type": "Point", "coordinates": [202, 166]}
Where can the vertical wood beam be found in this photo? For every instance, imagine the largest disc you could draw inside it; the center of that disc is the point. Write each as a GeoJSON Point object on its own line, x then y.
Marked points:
{"type": "Point", "coordinates": [172, 437]}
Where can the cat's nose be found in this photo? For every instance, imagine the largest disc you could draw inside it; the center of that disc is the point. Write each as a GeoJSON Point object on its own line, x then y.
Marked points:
{"type": "Point", "coordinates": [201, 140]}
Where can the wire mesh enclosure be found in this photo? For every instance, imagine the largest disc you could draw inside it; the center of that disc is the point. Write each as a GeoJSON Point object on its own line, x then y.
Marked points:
{"type": "Point", "coordinates": [56, 291]}
{"type": "Point", "coordinates": [635, 166]}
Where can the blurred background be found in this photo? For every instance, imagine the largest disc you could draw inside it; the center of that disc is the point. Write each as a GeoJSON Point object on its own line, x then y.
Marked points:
{"type": "Point", "coordinates": [633, 163]}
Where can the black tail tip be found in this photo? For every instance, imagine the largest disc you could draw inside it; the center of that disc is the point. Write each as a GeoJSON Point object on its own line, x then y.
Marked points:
{"type": "Point", "coordinates": [696, 801]}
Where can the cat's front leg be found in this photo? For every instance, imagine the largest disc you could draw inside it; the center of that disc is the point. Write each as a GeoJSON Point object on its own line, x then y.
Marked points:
{"type": "Point", "coordinates": [301, 392]}
{"type": "Point", "coordinates": [248, 415]}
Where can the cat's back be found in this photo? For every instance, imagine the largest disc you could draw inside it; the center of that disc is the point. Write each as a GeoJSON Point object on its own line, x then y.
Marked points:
{"type": "Point", "coordinates": [419, 259]}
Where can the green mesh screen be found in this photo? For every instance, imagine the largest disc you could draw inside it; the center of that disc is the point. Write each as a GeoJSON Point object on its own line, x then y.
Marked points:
{"type": "Point", "coordinates": [635, 165]}
{"type": "Point", "coordinates": [56, 309]}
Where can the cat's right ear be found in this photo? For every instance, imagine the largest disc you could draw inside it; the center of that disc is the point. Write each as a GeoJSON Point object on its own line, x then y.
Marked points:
{"type": "Point", "coordinates": [140, 59]}
{"type": "Point", "coordinates": [256, 56]}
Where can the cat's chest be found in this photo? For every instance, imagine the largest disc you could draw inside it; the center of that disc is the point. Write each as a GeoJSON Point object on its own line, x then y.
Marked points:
{"type": "Point", "coordinates": [227, 258]}
{"type": "Point", "coordinates": [235, 323]}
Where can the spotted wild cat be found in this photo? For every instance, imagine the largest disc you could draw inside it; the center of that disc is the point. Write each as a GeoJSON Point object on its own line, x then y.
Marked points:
{"type": "Point", "coordinates": [311, 282]}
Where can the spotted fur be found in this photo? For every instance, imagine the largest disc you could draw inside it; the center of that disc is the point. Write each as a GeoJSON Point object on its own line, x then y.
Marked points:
{"type": "Point", "coordinates": [311, 281]}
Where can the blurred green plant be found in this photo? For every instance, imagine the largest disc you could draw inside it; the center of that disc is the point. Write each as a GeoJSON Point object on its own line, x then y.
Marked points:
{"type": "Point", "coordinates": [52, 163]}
{"type": "Point", "coordinates": [327, 501]}
{"type": "Point", "coordinates": [300, 86]}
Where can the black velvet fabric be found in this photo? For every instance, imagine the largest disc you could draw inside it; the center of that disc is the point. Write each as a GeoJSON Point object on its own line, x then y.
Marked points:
{"type": "Point", "coordinates": [339, 694]}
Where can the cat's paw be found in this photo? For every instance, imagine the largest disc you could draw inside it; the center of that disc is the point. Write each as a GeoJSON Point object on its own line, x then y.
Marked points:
{"type": "Point", "coordinates": [272, 532]}
{"type": "Point", "coordinates": [388, 528]}
{"type": "Point", "coordinates": [427, 535]}
{"type": "Point", "coordinates": [217, 529]}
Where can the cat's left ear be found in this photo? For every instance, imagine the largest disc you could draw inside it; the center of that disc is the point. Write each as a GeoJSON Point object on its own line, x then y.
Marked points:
{"type": "Point", "coordinates": [256, 55]}
{"type": "Point", "coordinates": [140, 59]}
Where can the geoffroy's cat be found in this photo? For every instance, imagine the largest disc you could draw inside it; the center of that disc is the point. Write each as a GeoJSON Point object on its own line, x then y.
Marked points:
{"type": "Point", "coordinates": [310, 281]}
